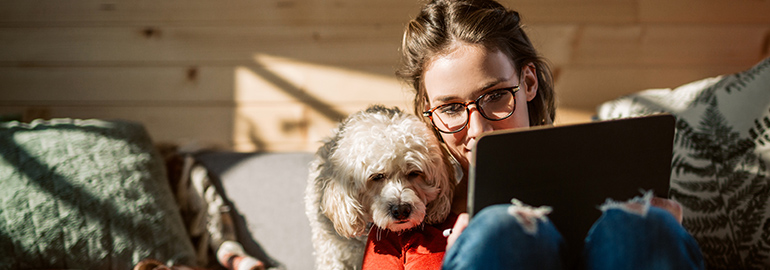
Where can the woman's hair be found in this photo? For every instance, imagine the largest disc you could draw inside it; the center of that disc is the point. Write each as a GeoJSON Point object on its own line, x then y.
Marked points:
{"type": "Point", "coordinates": [483, 22]}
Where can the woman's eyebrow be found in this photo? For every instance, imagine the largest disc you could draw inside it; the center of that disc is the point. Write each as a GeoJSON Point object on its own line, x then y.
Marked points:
{"type": "Point", "coordinates": [480, 91]}
{"type": "Point", "coordinates": [476, 92]}
{"type": "Point", "coordinates": [492, 84]}
{"type": "Point", "coordinates": [446, 98]}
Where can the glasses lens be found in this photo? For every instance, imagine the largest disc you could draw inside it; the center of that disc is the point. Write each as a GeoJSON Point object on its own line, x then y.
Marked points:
{"type": "Point", "coordinates": [450, 117]}
{"type": "Point", "coordinates": [498, 104]}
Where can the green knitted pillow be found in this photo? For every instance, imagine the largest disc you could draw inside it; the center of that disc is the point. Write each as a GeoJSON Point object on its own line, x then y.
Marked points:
{"type": "Point", "coordinates": [85, 194]}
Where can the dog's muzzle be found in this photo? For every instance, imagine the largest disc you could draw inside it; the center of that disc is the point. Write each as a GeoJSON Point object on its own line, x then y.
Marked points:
{"type": "Point", "coordinates": [400, 211]}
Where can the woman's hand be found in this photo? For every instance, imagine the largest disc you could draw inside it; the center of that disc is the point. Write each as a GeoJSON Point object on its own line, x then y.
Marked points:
{"type": "Point", "coordinates": [460, 225]}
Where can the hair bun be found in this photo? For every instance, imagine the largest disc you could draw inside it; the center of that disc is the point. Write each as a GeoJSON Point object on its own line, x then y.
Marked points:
{"type": "Point", "coordinates": [515, 15]}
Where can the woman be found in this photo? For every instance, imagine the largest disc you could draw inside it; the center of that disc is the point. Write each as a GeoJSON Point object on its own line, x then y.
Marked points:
{"type": "Point", "coordinates": [474, 70]}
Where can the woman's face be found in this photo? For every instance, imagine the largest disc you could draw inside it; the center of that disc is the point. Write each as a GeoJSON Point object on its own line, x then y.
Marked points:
{"type": "Point", "coordinates": [464, 74]}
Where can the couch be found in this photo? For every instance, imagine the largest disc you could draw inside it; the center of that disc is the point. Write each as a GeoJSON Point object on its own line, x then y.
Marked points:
{"type": "Point", "coordinates": [95, 194]}
{"type": "Point", "coordinates": [267, 193]}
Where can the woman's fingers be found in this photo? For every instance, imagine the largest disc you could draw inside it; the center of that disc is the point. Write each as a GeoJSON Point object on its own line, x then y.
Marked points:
{"type": "Point", "coordinates": [459, 227]}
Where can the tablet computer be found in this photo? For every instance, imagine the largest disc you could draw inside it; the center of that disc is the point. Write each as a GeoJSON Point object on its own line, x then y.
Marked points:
{"type": "Point", "coordinates": [573, 168]}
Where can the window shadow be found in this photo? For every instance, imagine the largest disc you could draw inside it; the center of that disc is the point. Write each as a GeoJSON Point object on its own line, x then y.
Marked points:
{"type": "Point", "coordinates": [315, 103]}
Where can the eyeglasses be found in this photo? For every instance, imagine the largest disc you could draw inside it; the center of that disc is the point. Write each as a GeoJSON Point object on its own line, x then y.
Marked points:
{"type": "Point", "coordinates": [453, 117]}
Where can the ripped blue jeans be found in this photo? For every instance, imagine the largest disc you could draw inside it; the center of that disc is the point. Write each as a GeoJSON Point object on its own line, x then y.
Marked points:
{"type": "Point", "coordinates": [501, 237]}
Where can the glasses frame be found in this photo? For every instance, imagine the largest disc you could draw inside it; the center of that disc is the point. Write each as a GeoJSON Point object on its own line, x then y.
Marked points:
{"type": "Point", "coordinates": [429, 113]}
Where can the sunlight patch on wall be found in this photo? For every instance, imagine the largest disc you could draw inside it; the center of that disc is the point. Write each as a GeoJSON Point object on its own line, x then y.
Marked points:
{"type": "Point", "coordinates": [284, 104]}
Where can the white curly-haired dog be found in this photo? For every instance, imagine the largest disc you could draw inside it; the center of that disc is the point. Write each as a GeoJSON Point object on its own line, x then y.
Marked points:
{"type": "Point", "coordinates": [382, 166]}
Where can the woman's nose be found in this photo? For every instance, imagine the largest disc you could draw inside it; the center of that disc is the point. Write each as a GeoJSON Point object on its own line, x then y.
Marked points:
{"type": "Point", "coordinates": [477, 124]}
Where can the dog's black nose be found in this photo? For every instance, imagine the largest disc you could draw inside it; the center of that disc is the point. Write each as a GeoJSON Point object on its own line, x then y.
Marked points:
{"type": "Point", "coordinates": [401, 211]}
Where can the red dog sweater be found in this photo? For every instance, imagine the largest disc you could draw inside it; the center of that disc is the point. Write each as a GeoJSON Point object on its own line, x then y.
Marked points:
{"type": "Point", "coordinates": [421, 247]}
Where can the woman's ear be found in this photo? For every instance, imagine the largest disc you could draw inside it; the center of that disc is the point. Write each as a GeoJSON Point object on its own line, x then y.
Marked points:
{"type": "Point", "coordinates": [528, 82]}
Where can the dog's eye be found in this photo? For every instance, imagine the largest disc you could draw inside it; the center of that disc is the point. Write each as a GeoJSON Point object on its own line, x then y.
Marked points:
{"type": "Point", "coordinates": [376, 177]}
{"type": "Point", "coordinates": [413, 175]}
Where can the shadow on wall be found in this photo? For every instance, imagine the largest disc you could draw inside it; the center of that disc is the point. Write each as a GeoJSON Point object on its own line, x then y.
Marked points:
{"type": "Point", "coordinates": [248, 130]}
{"type": "Point", "coordinates": [315, 103]}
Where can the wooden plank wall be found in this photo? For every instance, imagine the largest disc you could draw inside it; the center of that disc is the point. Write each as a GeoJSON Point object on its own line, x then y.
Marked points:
{"type": "Point", "coordinates": [276, 75]}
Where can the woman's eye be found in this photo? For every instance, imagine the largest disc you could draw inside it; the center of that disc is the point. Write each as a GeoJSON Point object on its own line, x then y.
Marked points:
{"type": "Point", "coordinates": [494, 96]}
{"type": "Point", "coordinates": [452, 109]}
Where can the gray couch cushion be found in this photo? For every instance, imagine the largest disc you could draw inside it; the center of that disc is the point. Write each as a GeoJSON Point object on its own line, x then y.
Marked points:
{"type": "Point", "coordinates": [266, 191]}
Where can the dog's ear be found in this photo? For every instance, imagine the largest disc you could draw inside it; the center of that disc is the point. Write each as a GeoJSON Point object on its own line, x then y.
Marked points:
{"type": "Point", "coordinates": [440, 175]}
{"type": "Point", "coordinates": [343, 209]}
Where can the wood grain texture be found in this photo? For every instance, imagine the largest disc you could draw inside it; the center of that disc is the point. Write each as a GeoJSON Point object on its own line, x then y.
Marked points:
{"type": "Point", "coordinates": [276, 75]}
{"type": "Point", "coordinates": [666, 45]}
{"type": "Point", "coordinates": [343, 45]}
{"type": "Point", "coordinates": [584, 88]}
{"type": "Point", "coordinates": [91, 85]}
{"type": "Point", "coordinates": [204, 125]}
{"type": "Point", "coordinates": [704, 11]}
{"type": "Point", "coordinates": [271, 12]}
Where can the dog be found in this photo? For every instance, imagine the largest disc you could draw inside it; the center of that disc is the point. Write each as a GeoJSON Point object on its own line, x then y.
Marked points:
{"type": "Point", "coordinates": [381, 167]}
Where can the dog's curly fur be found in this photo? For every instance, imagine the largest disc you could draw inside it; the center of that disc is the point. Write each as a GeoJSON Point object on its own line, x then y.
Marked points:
{"type": "Point", "coordinates": [377, 160]}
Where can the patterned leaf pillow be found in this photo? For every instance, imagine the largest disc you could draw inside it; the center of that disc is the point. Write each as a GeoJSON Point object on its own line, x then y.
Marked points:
{"type": "Point", "coordinates": [719, 172]}
{"type": "Point", "coordinates": [85, 194]}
